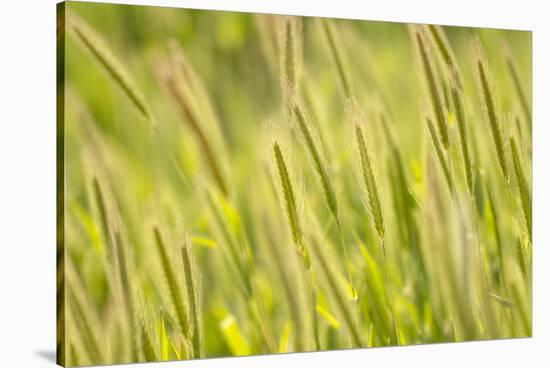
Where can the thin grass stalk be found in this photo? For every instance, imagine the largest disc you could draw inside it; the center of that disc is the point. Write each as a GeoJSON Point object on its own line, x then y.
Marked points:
{"type": "Point", "coordinates": [525, 196]}
{"type": "Point", "coordinates": [519, 129]}
{"type": "Point", "coordinates": [242, 266]}
{"type": "Point", "coordinates": [174, 288]}
{"type": "Point", "coordinates": [239, 256]}
{"type": "Point", "coordinates": [406, 197]}
{"type": "Point", "coordinates": [485, 301]}
{"type": "Point", "coordinates": [439, 210]}
{"type": "Point", "coordinates": [109, 63]}
{"type": "Point", "coordinates": [496, 230]}
{"type": "Point", "coordinates": [435, 97]}
{"type": "Point", "coordinates": [117, 260]}
{"type": "Point", "coordinates": [338, 297]}
{"type": "Point", "coordinates": [126, 293]}
{"type": "Point", "coordinates": [520, 255]}
{"type": "Point", "coordinates": [193, 295]}
{"type": "Point", "coordinates": [485, 285]}
{"type": "Point", "coordinates": [336, 55]}
{"type": "Point", "coordinates": [148, 346]}
{"type": "Point", "coordinates": [277, 254]}
{"type": "Point", "coordinates": [289, 289]}
{"type": "Point", "coordinates": [489, 105]}
{"type": "Point", "coordinates": [61, 246]}
{"type": "Point", "coordinates": [263, 321]}
{"type": "Point", "coordinates": [404, 206]}
{"type": "Point", "coordinates": [440, 155]}
{"type": "Point", "coordinates": [315, 319]}
{"type": "Point", "coordinates": [512, 68]}
{"type": "Point", "coordinates": [525, 316]}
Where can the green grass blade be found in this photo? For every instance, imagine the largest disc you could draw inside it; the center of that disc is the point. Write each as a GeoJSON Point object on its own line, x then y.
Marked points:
{"type": "Point", "coordinates": [173, 284]}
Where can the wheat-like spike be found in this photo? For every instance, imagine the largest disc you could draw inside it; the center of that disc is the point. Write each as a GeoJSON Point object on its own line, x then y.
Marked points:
{"type": "Point", "coordinates": [336, 55]}
{"type": "Point", "coordinates": [523, 187]}
{"type": "Point", "coordinates": [339, 298]}
{"type": "Point", "coordinates": [318, 162]}
{"type": "Point", "coordinates": [445, 50]}
{"type": "Point", "coordinates": [321, 169]}
{"type": "Point", "coordinates": [435, 97]}
{"type": "Point", "coordinates": [441, 42]}
{"type": "Point", "coordinates": [489, 106]}
{"type": "Point", "coordinates": [297, 235]}
{"type": "Point", "coordinates": [195, 86]}
{"type": "Point", "coordinates": [101, 52]}
{"type": "Point", "coordinates": [193, 121]}
{"type": "Point", "coordinates": [104, 218]}
{"type": "Point", "coordinates": [289, 55]}
{"type": "Point", "coordinates": [440, 154]}
{"type": "Point", "coordinates": [175, 292]}
{"type": "Point", "coordinates": [193, 291]}
{"type": "Point", "coordinates": [85, 328]}
{"type": "Point", "coordinates": [457, 95]}
{"type": "Point", "coordinates": [201, 113]}
{"type": "Point", "coordinates": [290, 35]}
{"type": "Point", "coordinates": [512, 68]}
{"type": "Point", "coordinates": [458, 101]}
{"type": "Point", "coordinates": [370, 183]}
{"type": "Point", "coordinates": [290, 201]}
{"type": "Point", "coordinates": [290, 204]}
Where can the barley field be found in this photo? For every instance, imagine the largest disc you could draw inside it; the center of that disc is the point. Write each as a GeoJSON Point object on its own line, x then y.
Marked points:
{"type": "Point", "coordinates": [235, 184]}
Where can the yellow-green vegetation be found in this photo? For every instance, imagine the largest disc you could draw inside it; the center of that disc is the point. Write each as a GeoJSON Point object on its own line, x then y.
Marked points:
{"type": "Point", "coordinates": [241, 184]}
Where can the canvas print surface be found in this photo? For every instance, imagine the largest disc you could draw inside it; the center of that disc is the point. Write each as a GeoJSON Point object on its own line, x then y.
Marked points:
{"type": "Point", "coordinates": [238, 184]}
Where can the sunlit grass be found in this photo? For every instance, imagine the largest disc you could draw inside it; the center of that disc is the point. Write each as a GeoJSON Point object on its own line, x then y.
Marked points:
{"type": "Point", "coordinates": [239, 184]}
